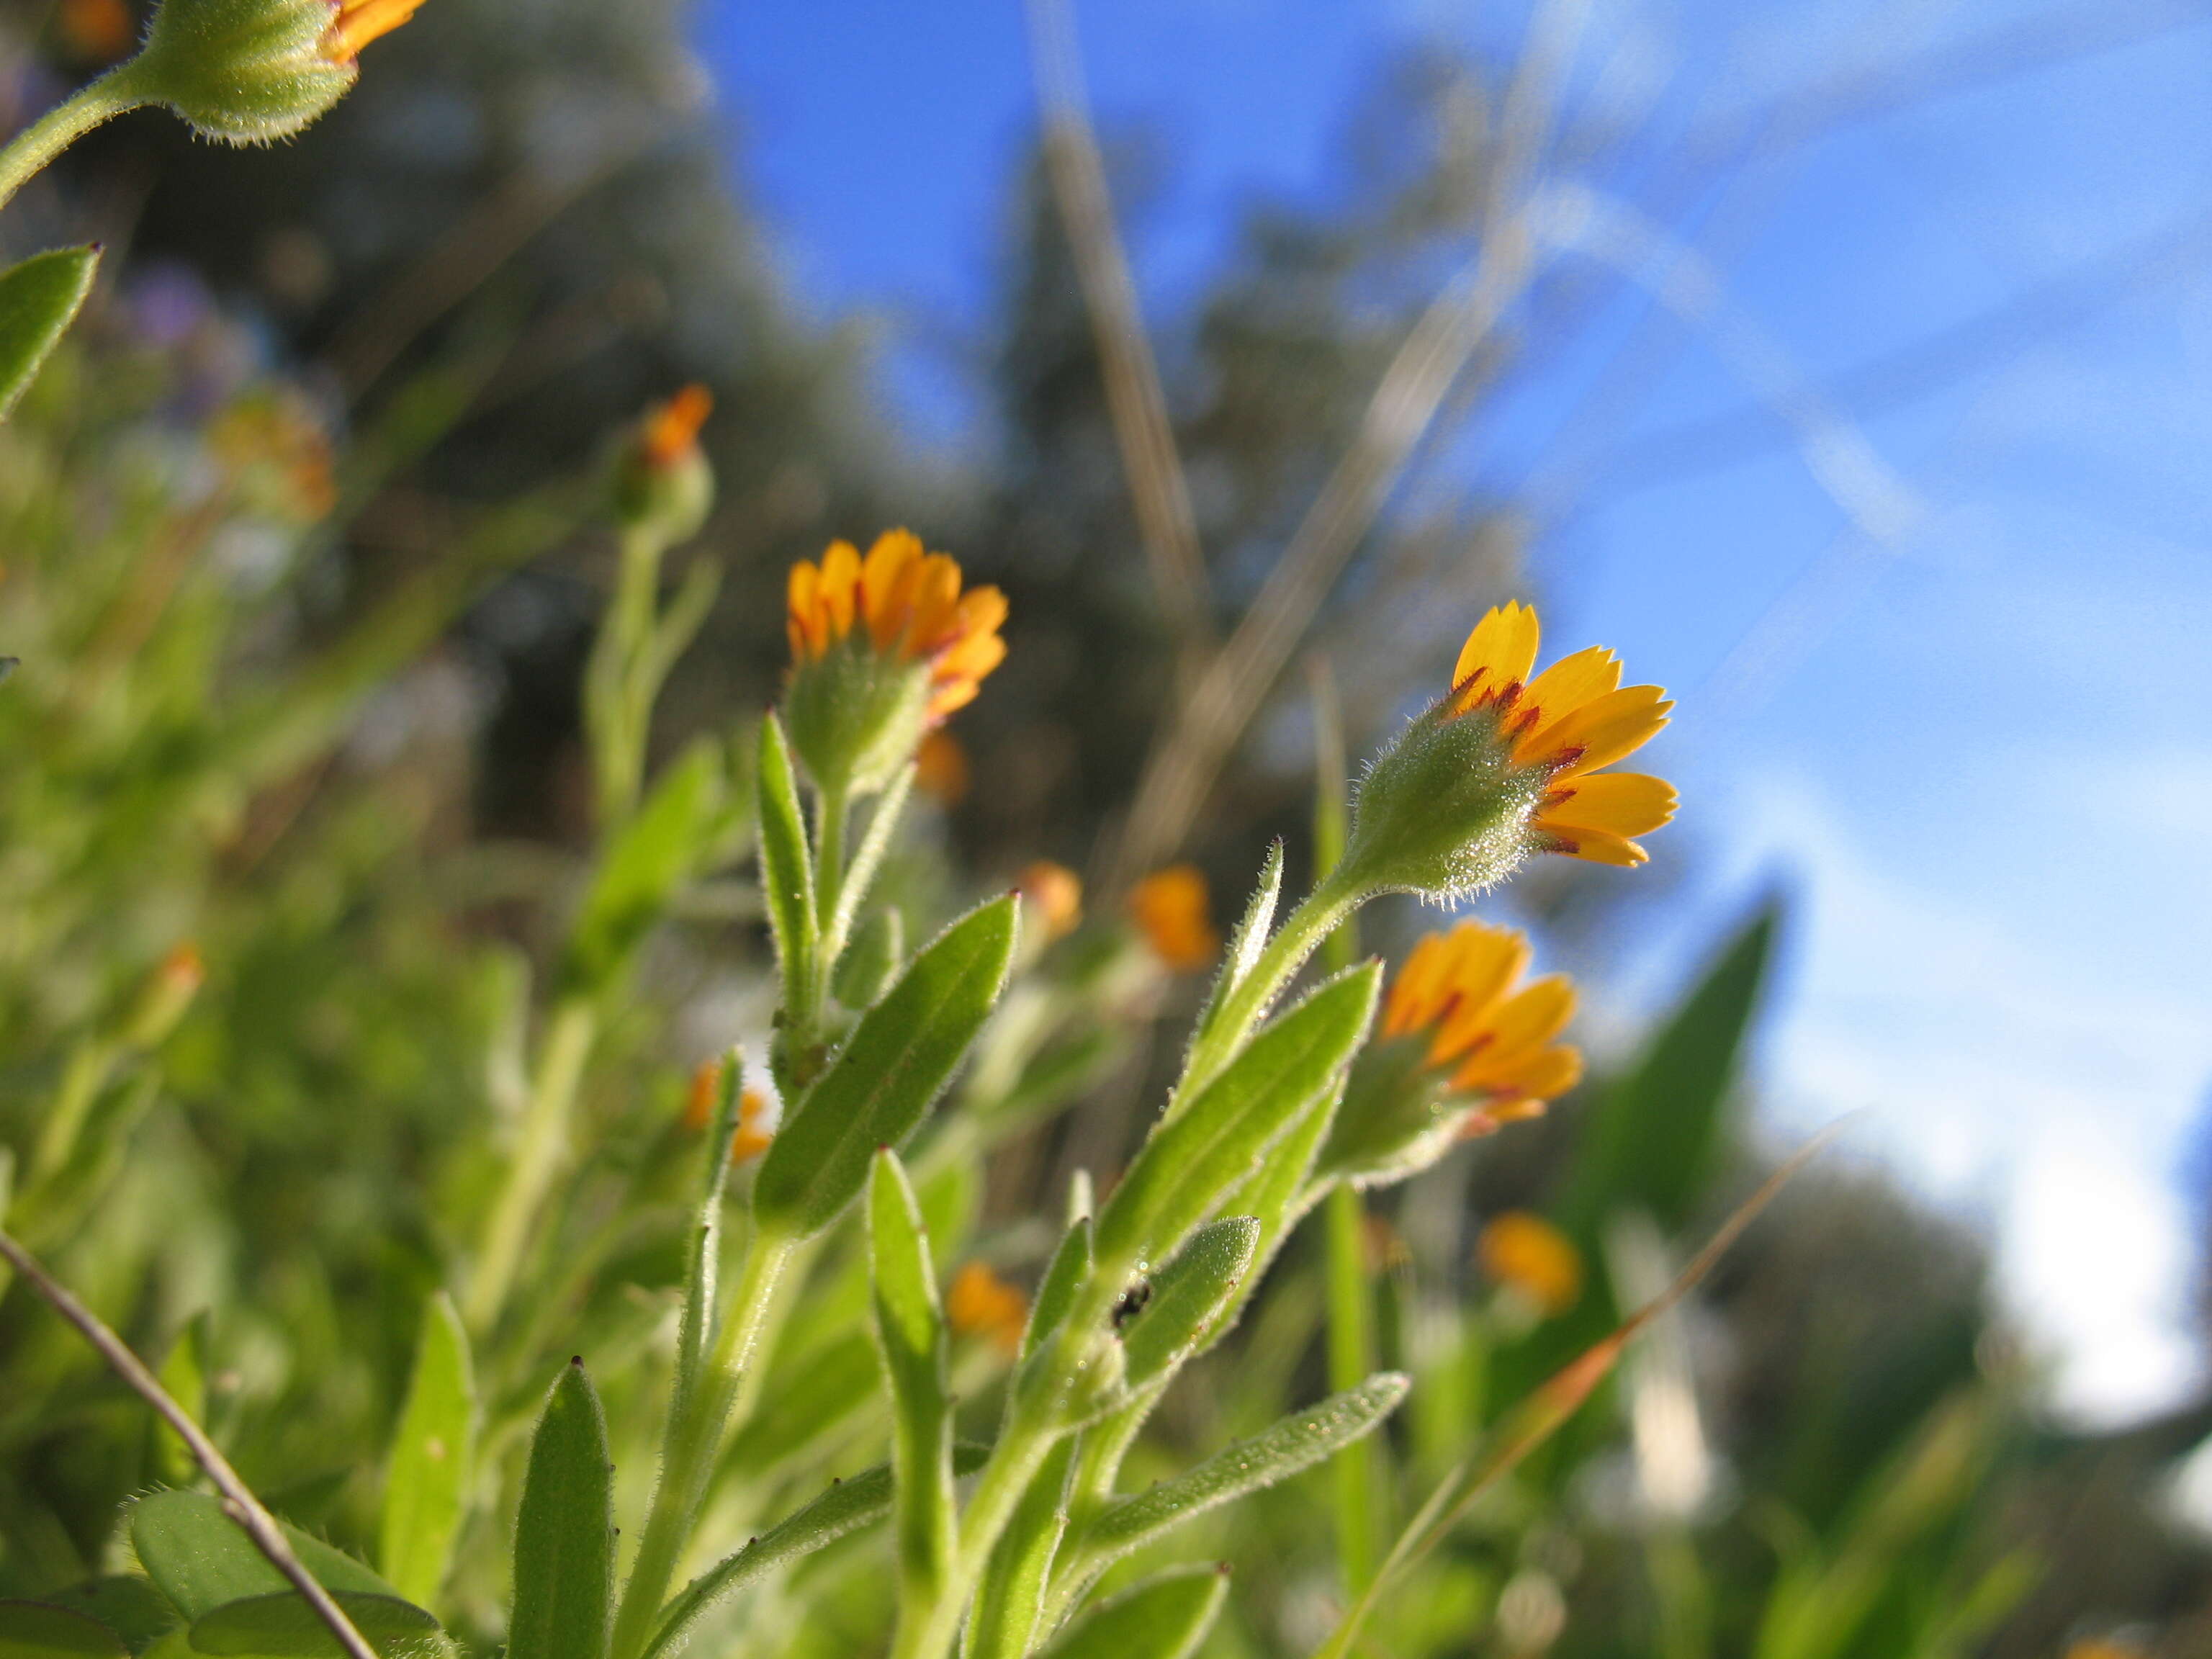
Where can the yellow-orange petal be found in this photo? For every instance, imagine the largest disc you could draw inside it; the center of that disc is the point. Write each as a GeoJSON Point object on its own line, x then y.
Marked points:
{"type": "Point", "coordinates": [1532, 1016]}
{"type": "Point", "coordinates": [1596, 846]}
{"type": "Point", "coordinates": [804, 611]}
{"type": "Point", "coordinates": [1566, 685]}
{"type": "Point", "coordinates": [950, 698]}
{"type": "Point", "coordinates": [1626, 803]}
{"type": "Point", "coordinates": [360, 21]}
{"type": "Point", "coordinates": [671, 431]}
{"type": "Point", "coordinates": [840, 588]}
{"type": "Point", "coordinates": [1173, 910]}
{"type": "Point", "coordinates": [889, 576]}
{"type": "Point", "coordinates": [1541, 1073]}
{"type": "Point", "coordinates": [936, 606]}
{"type": "Point", "coordinates": [1498, 654]}
{"type": "Point", "coordinates": [1598, 733]}
{"type": "Point", "coordinates": [1525, 1251]}
{"type": "Point", "coordinates": [979, 1302]}
{"type": "Point", "coordinates": [1490, 962]}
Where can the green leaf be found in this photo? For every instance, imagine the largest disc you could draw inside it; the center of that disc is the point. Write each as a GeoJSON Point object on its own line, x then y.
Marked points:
{"type": "Point", "coordinates": [1192, 1160]}
{"type": "Point", "coordinates": [33, 1630]}
{"type": "Point", "coordinates": [128, 1605]}
{"type": "Point", "coordinates": [1011, 1595]}
{"type": "Point", "coordinates": [786, 865]}
{"type": "Point", "coordinates": [433, 1456]}
{"type": "Point", "coordinates": [285, 1627]}
{"type": "Point", "coordinates": [1287, 1448]}
{"type": "Point", "coordinates": [564, 1537]}
{"type": "Point", "coordinates": [39, 300]}
{"type": "Point", "coordinates": [910, 1333]}
{"type": "Point", "coordinates": [872, 960]}
{"type": "Point", "coordinates": [830, 1384]}
{"type": "Point", "coordinates": [1650, 1143]}
{"type": "Point", "coordinates": [682, 822]}
{"type": "Point", "coordinates": [1165, 1616]}
{"type": "Point", "coordinates": [868, 857]}
{"type": "Point", "coordinates": [1250, 938]}
{"type": "Point", "coordinates": [1186, 1296]}
{"type": "Point", "coordinates": [847, 1507]}
{"type": "Point", "coordinates": [1064, 1275]}
{"type": "Point", "coordinates": [183, 1374]}
{"type": "Point", "coordinates": [200, 1558]}
{"type": "Point", "coordinates": [898, 1061]}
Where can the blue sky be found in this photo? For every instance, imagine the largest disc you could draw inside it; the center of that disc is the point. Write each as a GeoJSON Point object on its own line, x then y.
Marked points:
{"type": "Point", "coordinates": [1979, 741]}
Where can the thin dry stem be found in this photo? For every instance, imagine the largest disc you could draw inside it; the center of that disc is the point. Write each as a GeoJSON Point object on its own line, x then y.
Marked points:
{"type": "Point", "coordinates": [239, 1502]}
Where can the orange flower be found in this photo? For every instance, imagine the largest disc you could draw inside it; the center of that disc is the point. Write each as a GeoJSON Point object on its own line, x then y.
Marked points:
{"type": "Point", "coordinates": [940, 768]}
{"type": "Point", "coordinates": [905, 604]}
{"type": "Point", "coordinates": [99, 30]}
{"type": "Point", "coordinates": [1055, 893]}
{"type": "Point", "coordinates": [671, 430]}
{"type": "Point", "coordinates": [979, 1302]}
{"type": "Point", "coordinates": [1460, 987]}
{"type": "Point", "coordinates": [1570, 721]}
{"type": "Point", "coordinates": [749, 1140]}
{"type": "Point", "coordinates": [1527, 1254]}
{"type": "Point", "coordinates": [1171, 908]}
{"type": "Point", "coordinates": [357, 22]}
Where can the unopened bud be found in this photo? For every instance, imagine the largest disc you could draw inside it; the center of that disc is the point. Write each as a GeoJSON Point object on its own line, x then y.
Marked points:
{"type": "Point", "coordinates": [252, 71]}
{"type": "Point", "coordinates": [663, 483]}
{"type": "Point", "coordinates": [166, 997]}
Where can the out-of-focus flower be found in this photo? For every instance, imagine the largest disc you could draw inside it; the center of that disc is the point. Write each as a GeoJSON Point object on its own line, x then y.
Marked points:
{"type": "Point", "coordinates": [2105, 1648]}
{"type": "Point", "coordinates": [1527, 1254]}
{"type": "Point", "coordinates": [749, 1140]}
{"type": "Point", "coordinates": [1489, 1034]}
{"type": "Point", "coordinates": [1503, 766]}
{"type": "Point", "coordinates": [940, 768]}
{"type": "Point", "coordinates": [269, 443]}
{"type": "Point", "coordinates": [981, 1303]}
{"type": "Point", "coordinates": [98, 31]}
{"type": "Point", "coordinates": [883, 649]}
{"type": "Point", "coordinates": [1172, 910]}
{"type": "Point", "coordinates": [663, 483]}
{"type": "Point", "coordinates": [1053, 894]}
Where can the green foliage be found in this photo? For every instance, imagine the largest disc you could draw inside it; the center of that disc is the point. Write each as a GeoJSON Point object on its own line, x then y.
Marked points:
{"type": "Point", "coordinates": [1166, 1616]}
{"type": "Point", "coordinates": [911, 1336]}
{"type": "Point", "coordinates": [39, 300]}
{"type": "Point", "coordinates": [564, 1532]}
{"type": "Point", "coordinates": [433, 1461]}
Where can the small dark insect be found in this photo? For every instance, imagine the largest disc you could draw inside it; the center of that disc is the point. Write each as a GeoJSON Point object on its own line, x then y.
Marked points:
{"type": "Point", "coordinates": [1132, 1303]}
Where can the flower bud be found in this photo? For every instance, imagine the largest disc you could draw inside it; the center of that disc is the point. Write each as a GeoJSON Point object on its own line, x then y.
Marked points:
{"type": "Point", "coordinates": [1053, 894]}
{"type": "Point", "coordinates": [1172, 909]}
{"type": "Point", "coordinates": [251, 71]}
{"type": "Point", "coordinates": [164, 998]}
{"type": "Point", "coordinates": [663, 483]}
{"type": "Point", "coordinates": [1526, 1255]}
{"type": "Point", "coordinates": [882, 651]}
{"type": "Point", "coordinates": [1502, 766]}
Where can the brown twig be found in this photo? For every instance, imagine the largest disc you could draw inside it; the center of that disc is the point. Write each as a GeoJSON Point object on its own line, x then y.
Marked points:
{"type": "Point", "coordinates": [239, 1502]}
{"type": "Point", "coordinates": [1134, 400]}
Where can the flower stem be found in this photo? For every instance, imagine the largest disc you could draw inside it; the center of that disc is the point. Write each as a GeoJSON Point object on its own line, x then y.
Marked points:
{"type": "Point", "coordinates": [537, 1161]}
{"type": "Point", "coordinates": [1331, 901]}
{"type": "Point", "coordinates": [692, 1445]}
{"type": "Point", "coordinates": [1351, 1360]}
{"type": "Point", "coordinates": [31, 149]}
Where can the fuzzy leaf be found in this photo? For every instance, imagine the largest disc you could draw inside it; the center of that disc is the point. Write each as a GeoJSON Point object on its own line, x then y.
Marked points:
{"type": "Point", "coordinates": [1192, 1160]}
{"type": "Point", "coordinates": [126, 1604]}
{"type": "Point", "coordinates": [1186, 1295]}
{"type": "Point", "coordinates": [898, 1061]}
{"type": "Point", "coordinates": [847, 1507]}
{"type": "Point", "coordinates": [1064, 1276]}
{"type": "Point", "coordinates": [200, 1558]}
{"type": "Point", "coordinates": [564, 1538]}
{"type": "Point", "coordinates": [1291, 1446]}
{"type": "Point", "coordinates": [1165, 1616]}
{"type": "Point", "coordinates": [284, 1626]}
{"type": "Point", "coordinates": [1250, 938]}
{"type": "Point", "coordinates": [39, 300]}
{"type": "Point", "coordinates": [910, 1334]}
{"type": "Point", "coordinates": [433, 1455]}
{"type": "Point", "coordinates": [1011, 1596]}
{"type": "Point", "coordinates": [786, 865]}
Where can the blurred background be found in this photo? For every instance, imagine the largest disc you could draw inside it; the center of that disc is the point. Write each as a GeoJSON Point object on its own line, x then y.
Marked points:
{"type": "Point", "coordinates": [1846, 367]}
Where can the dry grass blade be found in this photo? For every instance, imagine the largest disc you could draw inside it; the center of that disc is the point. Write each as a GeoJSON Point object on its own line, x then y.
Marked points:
{"type": "Point", "coordinates": [237, 1499]}
{"type": "Point", "coordinates": [1135, 399]}
{"type": "Point", "coordinates": [1539, 1416]}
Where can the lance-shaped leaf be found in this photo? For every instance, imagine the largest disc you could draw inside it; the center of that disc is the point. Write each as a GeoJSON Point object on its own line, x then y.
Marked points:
{"type": "Point", "coordinates": [1193, 1159]}
{"type": "Point", "coordinates": [1165, 1616]}
{"type": "Point", "coordinates": [866, 969]}
{"type": "Point", "coordinates": [1065, 1276]}
{"type": "Point", "coordinates": [827, 1388]}
{"type": "Point", "coordinates": [433, 1456]}
{"type": "Point", "coordinates": [787, 865]}
{"type": "Point", "coordinates": [910, 1333]}
{"type": "Point", "coordinates": [564, 1536]}
{"type": "Point", "coordinates": [284, 1626]}
{"type": "Point", "coordinates": [1011, 1596]}
{"type": "Point", "coordinates": [34, 1630]}
{"type": "Point", "coordinates": [1288, 1448]}
{"type": "Point", "coordinates": [1186, 1295]}
{"type": "Point", "coordinates": [39, 300]}
{"type": "Point", "coordinates": [184, 1374]}
{"type": "Point", "coordinates": [896, 1062]}
{"type": "Point", "coordinates": [847, 1507]}
{"type": "Point", "coordinates": [1250, 938]}
{"type": "Point", "coordinates": [124, 1603]}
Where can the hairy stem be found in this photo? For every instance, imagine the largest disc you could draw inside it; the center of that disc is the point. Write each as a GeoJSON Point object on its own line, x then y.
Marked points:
{"type": "Point", "coordinates": [31, 149]}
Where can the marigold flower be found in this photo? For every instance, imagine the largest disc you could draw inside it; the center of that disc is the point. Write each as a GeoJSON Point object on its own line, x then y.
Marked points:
{"type": "Point", "coordinates": [1054, 892]}
{"type": "Point", "coordinates": [749, 1139]}
{"type": "Point", "coordinates": [1527, 1254]}
{"type": "Point", "coordinates": [1492, 1034]}
{"type": "Point", "coordinates": [1172, 909]}
{"type": "Point", "coordinates": [252, 71]}
{"type": "Point", "coordinates": [1571, 719]}
{"type": "Point", "coordinates": [883, 648]}
{"type": "Point", "coordinates": [663, 486]}
{"type": "Point", "coordinates": [981, 1303]}
{"type": "Point", "coordinates": [1503, 765]}
{"type": "Point", "coordinates": [671, 430]}
{"type": "Point", "coordinates": [940, 768]}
